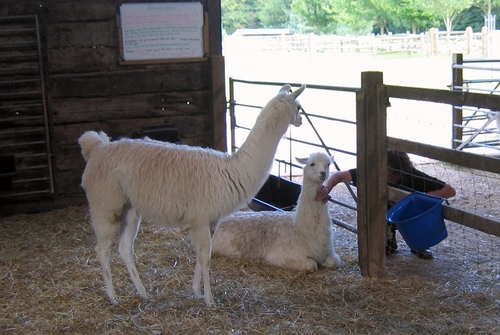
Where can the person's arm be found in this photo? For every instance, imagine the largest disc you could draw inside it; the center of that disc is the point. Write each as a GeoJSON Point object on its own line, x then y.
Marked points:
{"type": "Point", "coordinates": [334, 179]}
{"type": "Point", "coordinates": [446, 192]}
{"type": "Point", "coordinates": [422, 182]}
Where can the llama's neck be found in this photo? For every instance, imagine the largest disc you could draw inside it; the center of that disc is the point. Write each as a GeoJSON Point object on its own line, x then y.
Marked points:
{"type": "Point", "coordinates": [257, 152]}
{"type": "Point", "coordinates": [310, 213]}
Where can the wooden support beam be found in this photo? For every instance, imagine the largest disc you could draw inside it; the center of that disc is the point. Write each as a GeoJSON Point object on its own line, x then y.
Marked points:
{"type": "Point", "coordinates": [371, 173]}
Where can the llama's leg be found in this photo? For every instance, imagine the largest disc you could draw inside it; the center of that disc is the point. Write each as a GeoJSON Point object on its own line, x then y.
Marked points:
{"type": "Point", "coordinates": [202, 242]}
{"type": "Point", "coordinates": [213, 226]}
{"type": "Point", "coordinates": [305, 264]}
{"type": "Point", "coordinates": [131, 221]}
{"type": "Point", "coordinates": [331, 260]}
{"type": "Point", "coordinates": [105, 230]}
{"type": "Point", "coordinates": [296, 263]}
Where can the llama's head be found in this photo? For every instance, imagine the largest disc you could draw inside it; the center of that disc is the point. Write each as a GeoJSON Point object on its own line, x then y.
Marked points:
{"type": "Point", "coordinates": [317, 167]}
{"type": "Point", "coordinates": [286, 103]}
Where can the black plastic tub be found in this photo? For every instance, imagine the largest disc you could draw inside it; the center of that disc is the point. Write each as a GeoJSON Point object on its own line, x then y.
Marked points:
{"type": "Point", "coordinates": [276, 194]}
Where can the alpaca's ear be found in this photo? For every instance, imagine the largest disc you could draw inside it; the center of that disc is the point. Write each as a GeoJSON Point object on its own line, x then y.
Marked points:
{"type": "Point", "coordinates": [285, 89]}
{"type": "Point", "coordinates": [296, 93]}
{"type": "Point", "coordinates": [302, 160]}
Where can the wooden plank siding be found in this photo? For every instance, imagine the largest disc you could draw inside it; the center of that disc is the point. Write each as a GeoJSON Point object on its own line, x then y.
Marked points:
{"type": "Point", "coordinates": [87, 87]}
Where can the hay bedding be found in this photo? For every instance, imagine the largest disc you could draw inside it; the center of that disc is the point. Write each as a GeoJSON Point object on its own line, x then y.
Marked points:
{"type": "Point", "coordinates": [51, 284]}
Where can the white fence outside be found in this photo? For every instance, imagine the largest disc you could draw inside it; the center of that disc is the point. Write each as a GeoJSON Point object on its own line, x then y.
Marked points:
{"type": "Point", "coordinates": [433, 42]}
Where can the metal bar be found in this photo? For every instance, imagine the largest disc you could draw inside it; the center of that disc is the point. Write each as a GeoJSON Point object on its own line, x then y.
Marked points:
{"type": "Point", "coordinates": [465, 67]}
{"type": "Point", "coordinates": [477, 81]}
{"type": "Point", "coordinates": [321, 87]}
{"type": "Point", "coordinates": [38, 104]}
{"type": "Point", "coordinates": [45, 112]}
{"type": "Point", "coordinates": [21, 131]}
{"type": "Point", "coordinates": [19, 94]}
{"type": "Point", "coordinates": [14, 145]}
{"type": "Point", "coordinates": [17, 81]}
{"type": "Point", "coordinates": [345, 225]}
{"type": "Point", "coordinates": [481, 60]}
{"type": "Point", "coordinates": [477, 132]}
{"type": "Point", "coordinates": [33, 167]}
{"type": "Point", "coordinates": [15, 31]}
{"type": "Point", "coordinates": [29, 180]}
{"type": "Point", "coordinates": [468, 88]}
{"type": "Point", "coordinates": [232, 116]}
{"type": "Point", "coordinates": [15, 17]}
{"type": "Point", "coordinates": [16, 44]}
{"type": "Point", "coordinates": [22, 194]}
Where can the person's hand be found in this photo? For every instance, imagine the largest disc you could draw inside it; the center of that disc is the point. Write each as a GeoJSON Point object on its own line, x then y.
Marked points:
{"type": "Point", "coordinates": [322, 194]}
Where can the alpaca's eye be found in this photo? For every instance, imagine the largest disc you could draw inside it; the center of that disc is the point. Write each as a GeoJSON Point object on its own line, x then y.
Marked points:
{"type": "Point", "coordinates": [312, 164]}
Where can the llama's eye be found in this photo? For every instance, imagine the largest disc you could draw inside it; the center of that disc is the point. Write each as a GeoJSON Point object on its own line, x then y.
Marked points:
{"type": "Point", "coordinates": [312, 164]}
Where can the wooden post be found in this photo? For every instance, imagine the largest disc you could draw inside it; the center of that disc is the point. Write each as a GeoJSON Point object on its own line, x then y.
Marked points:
{"type": "Point", "coordinates": [484, 40]}
{"type": "Point", "coordinates": [433, 32]}
{"type": "Point", "coordinates": [217, 86]}
{"type": "Point", "coordinates": [469, 35]}
{"type": "Point", "coordinates": [219, 108]}
{"type": "Point", "coordinates": [457, 115]}
{"type": "Point", "coordinates": [371, 104]}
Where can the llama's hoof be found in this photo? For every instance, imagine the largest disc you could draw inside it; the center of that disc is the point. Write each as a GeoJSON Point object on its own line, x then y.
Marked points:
{"type": "Point", "coordinates": [210, 303]}
{"type": "Point", "coordinates": [144, 296]}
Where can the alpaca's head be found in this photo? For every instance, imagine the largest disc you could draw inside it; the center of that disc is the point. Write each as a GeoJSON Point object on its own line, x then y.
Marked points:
{"type": "Point", "coordinates": [284, 107]}
{"type": "Point", "coordinates": [317, 167]}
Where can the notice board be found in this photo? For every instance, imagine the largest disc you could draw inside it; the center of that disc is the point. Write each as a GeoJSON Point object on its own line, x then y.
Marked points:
{"type": "Point", "coordinates": [170, 30]}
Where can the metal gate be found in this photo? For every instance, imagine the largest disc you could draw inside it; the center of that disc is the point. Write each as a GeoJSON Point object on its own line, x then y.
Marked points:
{"type": "Point", "coordinates": [297, 144]}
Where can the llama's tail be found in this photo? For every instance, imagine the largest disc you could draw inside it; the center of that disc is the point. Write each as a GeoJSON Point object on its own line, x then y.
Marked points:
{"type": "Point", "coordinates": [90, 140]}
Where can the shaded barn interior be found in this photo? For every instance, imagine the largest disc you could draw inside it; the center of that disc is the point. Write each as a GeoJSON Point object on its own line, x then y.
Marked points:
{"type": "Point", "coordinates": [63, 73]}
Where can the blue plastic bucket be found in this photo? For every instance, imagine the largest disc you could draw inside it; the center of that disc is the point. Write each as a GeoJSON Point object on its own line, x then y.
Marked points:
{"type": "Point", "coordinates": [419, 219]}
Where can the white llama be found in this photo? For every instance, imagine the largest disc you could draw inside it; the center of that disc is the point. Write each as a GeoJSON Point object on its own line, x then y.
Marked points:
{"type": "Point", "coordinates": [176, 186]}
{"type": "Point", "coordinates": [297, 240]}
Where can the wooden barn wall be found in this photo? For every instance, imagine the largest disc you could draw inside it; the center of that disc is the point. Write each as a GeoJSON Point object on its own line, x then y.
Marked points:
{"type": "Point", "coordinates": [88, 89]}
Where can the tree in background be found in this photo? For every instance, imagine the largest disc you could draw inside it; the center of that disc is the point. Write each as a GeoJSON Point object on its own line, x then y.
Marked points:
{"type": "Point", "coordinates": [447, 10]}
{"type": "Point", "coordinates": [238, 14]}
{"type": "Point", "coordinates": [472, 17]}
{"type": "Point", "coordinates": [410, 16]}
{"type": "Point", "coordinates": [487, 5]}
{"type": "Point", "coordinates": [380, 12]}
{"type": "Point", "coordinates": [275, 13]}
{"type": "Point", "coordinates": [320, 15]}
{"type": "Point", "coordinates": [352, 16]}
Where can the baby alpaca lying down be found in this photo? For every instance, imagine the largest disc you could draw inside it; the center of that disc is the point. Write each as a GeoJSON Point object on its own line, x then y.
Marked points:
{"type": "Point", "coordinates": [297, 240]}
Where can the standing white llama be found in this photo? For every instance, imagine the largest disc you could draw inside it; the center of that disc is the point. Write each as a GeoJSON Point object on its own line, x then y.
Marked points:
{"type": "Point", "coordinates": [176, 186]}
{"type": "Point", "coordinates": [297, 240]}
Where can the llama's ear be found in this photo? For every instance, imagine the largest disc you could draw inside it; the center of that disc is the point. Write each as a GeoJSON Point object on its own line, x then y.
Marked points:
{"type": "Point", "coordinates": [285, 89]}
{"type": "Point", "coordinates": [301, 160]}
{"type": "Point", "coordinates": [296, 93]}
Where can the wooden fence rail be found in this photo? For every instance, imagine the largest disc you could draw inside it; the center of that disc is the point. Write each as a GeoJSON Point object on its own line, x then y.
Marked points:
{"type": "Point", "coordinates": [372, 160]}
